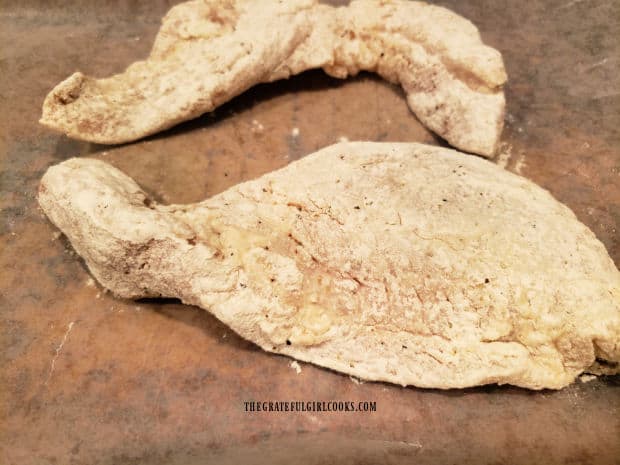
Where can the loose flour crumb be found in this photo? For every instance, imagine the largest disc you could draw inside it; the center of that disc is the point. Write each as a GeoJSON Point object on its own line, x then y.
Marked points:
{"type": "Point", "coordinates": [503, 157]}
{"type": "Point", "coordinates": [295, 366]}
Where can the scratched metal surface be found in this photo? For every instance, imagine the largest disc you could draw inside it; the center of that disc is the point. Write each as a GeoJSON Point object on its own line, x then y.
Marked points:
{"type": "Point", "coordinates": [89, 379]}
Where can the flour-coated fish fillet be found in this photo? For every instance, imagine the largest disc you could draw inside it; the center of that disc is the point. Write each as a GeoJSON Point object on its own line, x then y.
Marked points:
{"type": "Point", "coordinates": [208, 51]}
{"type": "Point", "coordinates": [404, 263]}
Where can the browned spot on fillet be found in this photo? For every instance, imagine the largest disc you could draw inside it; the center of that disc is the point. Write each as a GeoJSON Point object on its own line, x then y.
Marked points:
{"type": "Point", "coordinates": [91, 126]}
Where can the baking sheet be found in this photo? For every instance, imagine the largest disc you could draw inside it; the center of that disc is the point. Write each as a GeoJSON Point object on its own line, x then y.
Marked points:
{"type": "Point", "coordinates": [89, 379]}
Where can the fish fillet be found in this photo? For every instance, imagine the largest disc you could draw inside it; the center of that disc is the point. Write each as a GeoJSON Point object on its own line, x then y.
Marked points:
{"type": "Point", "coordinates": [209, 51]}
{"type": "Point", "coordinates": [395, 262]}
